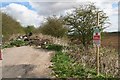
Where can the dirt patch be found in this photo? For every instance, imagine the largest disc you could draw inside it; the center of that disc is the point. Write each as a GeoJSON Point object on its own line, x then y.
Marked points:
{"type": "Point", "coordinates": [26, 62]}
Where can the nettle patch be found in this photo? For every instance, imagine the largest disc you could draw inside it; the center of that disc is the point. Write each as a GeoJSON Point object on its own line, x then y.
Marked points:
{"type": "Point", "coordinates": [78, 62]}
{"type": "Point", "coordinates": [87, 58]}
{"type": "Point", "coordinates": [66, 67]}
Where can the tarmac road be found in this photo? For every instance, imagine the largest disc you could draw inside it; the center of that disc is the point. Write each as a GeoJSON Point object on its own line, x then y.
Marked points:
{"type": "Point", "coordinates": [26, 62]}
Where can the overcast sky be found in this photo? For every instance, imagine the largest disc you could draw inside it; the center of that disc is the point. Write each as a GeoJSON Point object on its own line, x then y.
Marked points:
{"type": "Point", "coordinates": [34, 13]}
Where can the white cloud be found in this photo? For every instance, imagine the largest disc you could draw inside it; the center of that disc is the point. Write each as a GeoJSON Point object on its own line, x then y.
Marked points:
{"type": "Point", "coordinates": [98, 1]}
{"type": "Point", "coordinates": [43, 8]}
{"type": "Point", "coordinates": [51, 8]}
{"type": "Point", "coordinates": [114, 25]}
{"type": "Point", "coordinates": [23, 14]}
{"type": "Point", "coordinates": [107, 8]}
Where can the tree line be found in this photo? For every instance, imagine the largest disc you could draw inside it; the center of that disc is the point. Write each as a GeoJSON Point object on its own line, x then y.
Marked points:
{"type": "Point", "coordinates": [77, 26]}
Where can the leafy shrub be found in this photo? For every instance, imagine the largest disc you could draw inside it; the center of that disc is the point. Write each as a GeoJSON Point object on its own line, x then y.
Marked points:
{"type": "Point", "coordinates": [64, 67]}
{"type": "Point", "coordinates": [18, 43]}
{"type": "Point", "coordinates": [108, 59]}
{"type": "Point", "coordinates": [13, 43]}
{"type": "Point", "coordinates": [11, 27]}
{"type": "Point", "coordinates": [54, 47]}
{"type": "Point", "coordinates": [6, 46]}
{"type": "Point", "coordinates": [54, 27]}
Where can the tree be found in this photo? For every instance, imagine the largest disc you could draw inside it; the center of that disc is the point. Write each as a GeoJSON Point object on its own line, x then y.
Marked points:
{"type": "Point", "coordinates": [29, 29]}
{"type": "Point", "coordinates": [53, 26]}
{"type": "Point", "coordinates": [82, 21]}
{"type": "Point", "coordinates": [10, 27]}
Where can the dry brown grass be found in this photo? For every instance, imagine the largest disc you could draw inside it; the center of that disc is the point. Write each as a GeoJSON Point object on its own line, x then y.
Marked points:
{"type": "Point", "coordinates": [110, 40]}
{"type": "Point", "coordinates": [87, 58]}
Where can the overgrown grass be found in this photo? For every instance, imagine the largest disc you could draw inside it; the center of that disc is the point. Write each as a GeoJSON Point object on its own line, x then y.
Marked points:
{"type": "Point", "coordinates": [65, 67]}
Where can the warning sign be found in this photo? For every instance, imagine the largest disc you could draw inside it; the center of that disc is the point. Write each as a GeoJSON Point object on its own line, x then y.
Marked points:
{"type": "Point", "coordinates": [96, 37]}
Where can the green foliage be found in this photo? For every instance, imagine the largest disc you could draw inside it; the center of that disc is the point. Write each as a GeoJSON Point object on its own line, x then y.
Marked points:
{"type": "Point", "coordinates": [10, 27]}
{"type": "Point", "coordinates": [29, 29]}
{"type": "Point", "coordinates": [54, 27]}
{"type": "Point", "coordinates": [65, 67]}
{"type": "Point", "coordinates": [6, 45]}
{"type": "Point", "coordinates": [82, 21]}
{"type": "Point", "coordinates": [13, 43]}
{"type": "Point", "coordinates": [18, 43]}
{"type": "Point", "coordinates": [54, 47]}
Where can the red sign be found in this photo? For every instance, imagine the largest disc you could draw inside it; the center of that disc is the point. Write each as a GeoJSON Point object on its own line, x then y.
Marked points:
{"type": "Point", "coordinates": [96, 37]}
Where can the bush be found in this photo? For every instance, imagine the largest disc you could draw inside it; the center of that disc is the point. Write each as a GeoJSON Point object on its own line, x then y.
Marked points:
{"type": "Point", "coordinates": [16, 43]}
{"type": "Point", "coordinates": [64, 67]}
{"type": "Point", "coordinates": [54, 47]}
{"type": "Point", "coordinates": [6, 45]}
{"type": "Point", "coordinates": [53, 26]}
{"type": "Point", "coordinates": [108, 59]}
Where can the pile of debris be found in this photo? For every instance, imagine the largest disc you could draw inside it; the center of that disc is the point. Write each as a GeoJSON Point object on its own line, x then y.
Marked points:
{"type": "Point", "coordinates": [34, 41]}
{"type": "Point", "coordinates": [39, 40]}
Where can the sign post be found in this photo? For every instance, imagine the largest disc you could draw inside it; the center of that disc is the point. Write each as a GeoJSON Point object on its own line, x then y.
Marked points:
{"type": "Point", "coordinates": [0, 55]}
{"type": "Point", "coordinates": [97, 41]}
